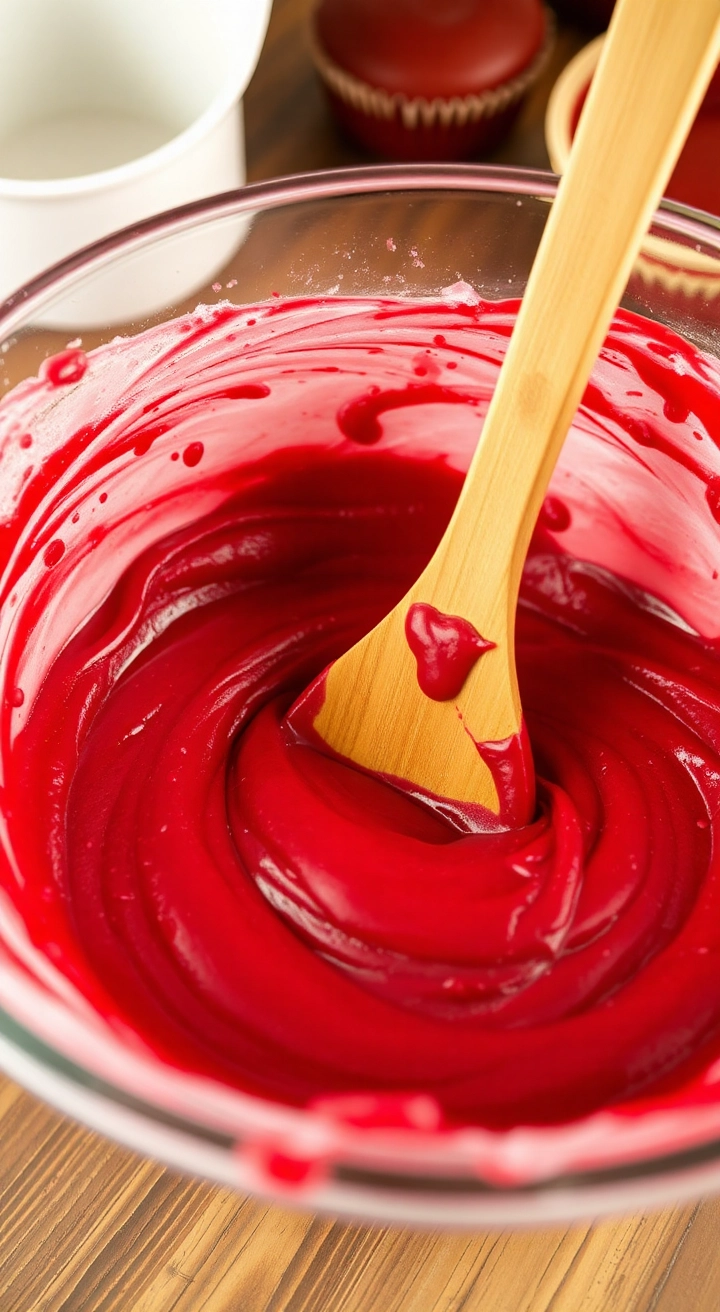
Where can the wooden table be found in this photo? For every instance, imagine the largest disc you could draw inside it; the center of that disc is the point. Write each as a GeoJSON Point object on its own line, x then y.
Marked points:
{"type": "Point", "coordinates": [89, 1227]}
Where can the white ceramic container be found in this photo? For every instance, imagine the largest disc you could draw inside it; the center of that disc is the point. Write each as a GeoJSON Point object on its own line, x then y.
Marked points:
{"type": "Point", "coordinates": [110, 111]}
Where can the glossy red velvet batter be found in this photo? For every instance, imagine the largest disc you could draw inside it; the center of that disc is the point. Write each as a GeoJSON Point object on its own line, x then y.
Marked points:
{"type": "Point", "coordinates": [262, 913]}
{"type": "Point", "coordinates": [445, 647]}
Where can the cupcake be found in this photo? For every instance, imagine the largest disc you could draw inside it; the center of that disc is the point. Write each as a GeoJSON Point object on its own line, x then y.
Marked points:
{"type": "Point", "coordinates": [429, 79]}
{"type": "Point", "coordinates": [677, 271]}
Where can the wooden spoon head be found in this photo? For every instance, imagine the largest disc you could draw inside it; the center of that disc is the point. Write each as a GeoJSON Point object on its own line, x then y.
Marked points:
{"type": "Point", "coordinates": [479, 770]}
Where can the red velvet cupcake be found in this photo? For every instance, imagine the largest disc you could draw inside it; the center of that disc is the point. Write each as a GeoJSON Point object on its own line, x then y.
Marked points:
{"type": "Point", "coordinates": [678, 273]}
{"type": "Point", "coordinates": [429, 79]}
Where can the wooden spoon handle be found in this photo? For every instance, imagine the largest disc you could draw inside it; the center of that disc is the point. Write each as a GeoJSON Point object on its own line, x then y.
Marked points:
{"type": "Point", "coordinates": [631, 132]}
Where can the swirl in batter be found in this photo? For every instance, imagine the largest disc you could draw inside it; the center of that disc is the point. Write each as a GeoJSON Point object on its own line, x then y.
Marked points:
{"type": "Point", "coordinates": [259, 912]}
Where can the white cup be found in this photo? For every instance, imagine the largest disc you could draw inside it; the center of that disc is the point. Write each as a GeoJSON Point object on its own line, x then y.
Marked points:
{"type": "Point", "coordinates": [111, 111]}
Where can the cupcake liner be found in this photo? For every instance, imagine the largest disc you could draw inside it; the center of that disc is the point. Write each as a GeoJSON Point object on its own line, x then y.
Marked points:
{"type": "Point", "coordinates": [678, 268]}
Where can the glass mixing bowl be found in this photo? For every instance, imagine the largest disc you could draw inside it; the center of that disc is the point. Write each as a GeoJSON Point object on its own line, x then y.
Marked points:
{"type": "Point", "coordinates": [406, 232]}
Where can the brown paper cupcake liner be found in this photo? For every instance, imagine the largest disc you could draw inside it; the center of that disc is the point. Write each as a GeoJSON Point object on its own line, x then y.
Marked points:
{"type": "Point", "coordinates": [418, 112]}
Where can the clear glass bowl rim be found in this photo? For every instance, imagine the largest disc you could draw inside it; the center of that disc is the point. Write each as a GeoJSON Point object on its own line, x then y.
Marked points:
{"type": "Point", "coordinates": [680, 220]}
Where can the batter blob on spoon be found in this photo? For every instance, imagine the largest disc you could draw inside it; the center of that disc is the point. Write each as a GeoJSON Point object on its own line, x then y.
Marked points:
{"type": "Point", "coordinates": [257, 911]}
{"type": "Point", "coordinates": [445, 647]}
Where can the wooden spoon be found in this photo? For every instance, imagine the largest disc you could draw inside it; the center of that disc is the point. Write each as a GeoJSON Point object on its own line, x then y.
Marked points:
{"type": "Point", "coordinates": [658, 59]}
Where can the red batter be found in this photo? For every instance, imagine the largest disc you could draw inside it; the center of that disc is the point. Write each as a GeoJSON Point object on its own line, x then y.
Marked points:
{"type": "Point", "coordinates": [237, 498]}
{"type": "Point", "coordinates": [445, 647]}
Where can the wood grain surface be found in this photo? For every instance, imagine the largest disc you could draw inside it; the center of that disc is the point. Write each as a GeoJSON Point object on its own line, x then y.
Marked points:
{"type": "Point", "coordinates": [89, 1227]}
{"type": "Point", "coordinates": [86, 1226]}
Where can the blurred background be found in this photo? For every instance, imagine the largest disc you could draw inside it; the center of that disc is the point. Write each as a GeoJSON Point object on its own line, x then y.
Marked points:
{"type": "Point", "coordinates": [289, 126]}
